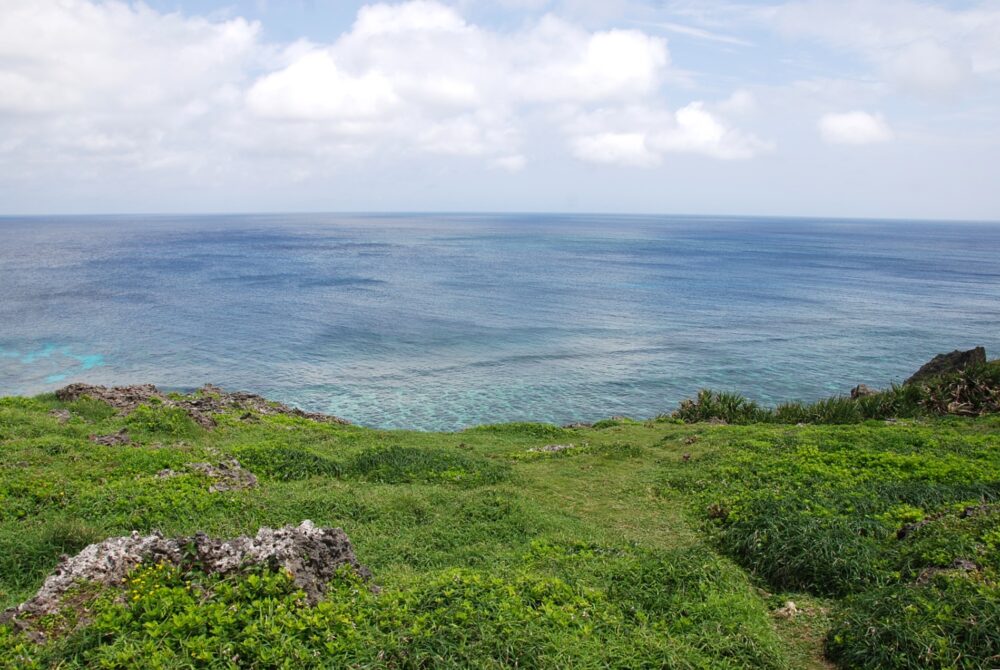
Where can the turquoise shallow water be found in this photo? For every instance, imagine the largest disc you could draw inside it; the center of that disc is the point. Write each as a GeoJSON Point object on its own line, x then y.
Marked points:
{"type": "Point", "coordinates": [440, 322]}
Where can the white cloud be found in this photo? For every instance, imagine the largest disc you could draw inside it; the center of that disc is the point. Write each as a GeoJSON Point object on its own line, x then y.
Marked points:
{"type": "Point", "coordinates": [928, 68]}
{"type": "Point", "coordinates": [700, 131]}
{"type": "Point", "coordinates": [700, 33]}
{"type": "Point", "coordinates": [422, 77]}
{"type": "Point", "coordinates": [418, 16]}
{"type": "Point", "coordinates": [313, 88]}
{"type": "Point", "coordinates": [556, 61]}
{"type": "Point", "coordinates": [641, 135]}
{"type": "Point", "coordinates": [57, 57]}
{"type": "Point", "coordinates": [741, 101]}
{"type": "Point", "coordinates": [94, 90]}
{"type": "Point", "coordinates": [89, 86]}
{"type": "Point", "coordinates": [854, 128]}
{"type": "Point", "coordinates": [922, 48]}
{"type": "Point", "coordinates": [513, 163]}
{"type": "Point", "coordinates": [615, 149]}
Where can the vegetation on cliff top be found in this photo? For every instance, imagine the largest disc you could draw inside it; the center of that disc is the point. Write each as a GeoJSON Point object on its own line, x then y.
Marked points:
{"type": "Point", "coordinates": [633, 544]}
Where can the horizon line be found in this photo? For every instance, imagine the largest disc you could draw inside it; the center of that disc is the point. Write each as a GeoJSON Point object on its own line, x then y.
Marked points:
{"type": "Point", "coordinates": [499, 213]}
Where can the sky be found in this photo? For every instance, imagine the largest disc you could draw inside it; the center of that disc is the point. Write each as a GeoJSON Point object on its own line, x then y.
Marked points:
{"type": "Point", "coordinates": [827, 108]}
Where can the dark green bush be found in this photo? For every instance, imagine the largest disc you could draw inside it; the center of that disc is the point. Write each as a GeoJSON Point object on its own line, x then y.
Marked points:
{"type": "Point", "coordinates": [720, 406]}
{"type": "Point", "coordinates": [30, 550]}
{"type": "Point", "coordinates": [943, 540]}
{"type": "Point", "coordinates": [523, 429]}
{"type": "Point", "coordinates": [800, 550]}
{"type": "Point", "coordinates": [286, 463]}
{"type": "Point", "coordinates": [819, 509]}
{"type": "Point", "coordinates": [971, 392]}
{"type": "Point", "coordinates": [91, 410]}
{"type": "Point", "coordinates": [161, 422]}
{"type": "Point", "coordinates": [397, 464]}
{"type": "Point", "coordinates": [951, 622]}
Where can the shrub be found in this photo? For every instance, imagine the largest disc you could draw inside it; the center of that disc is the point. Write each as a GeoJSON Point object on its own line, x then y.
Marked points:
{"type": "Point", "coordinates": [951, 622]}
{"type": "Point", "coordinates": [971, 392]}
{"type": "Point", "coordinates": [168, 422]}
{"type": "Point", "coordinates": [90, 409]}
{"type": "Point", "coordinates": [720, 406]}
{"type": "Point", "coordinates": [819, 510]}
{"type": "Point", "coordinates": [524, 430]}
{"type": "Point", "coordinates": [286, 463]}
{"type": "Point", "coordinates": [802, 550]}
{"type": "Point", "coordinates": [397, 464]}
{"type": "Point", "coordinates": [29, 551]}
{"type": "Point", "coordinates": [943, 540]}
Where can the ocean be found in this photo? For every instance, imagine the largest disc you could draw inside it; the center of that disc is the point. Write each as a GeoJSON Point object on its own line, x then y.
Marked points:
{"type": "Point", "coordinates": [440, 322]}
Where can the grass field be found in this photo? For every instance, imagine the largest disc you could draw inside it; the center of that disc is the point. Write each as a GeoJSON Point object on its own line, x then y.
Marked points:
{"type": "Point", "coordinates": [657, 544]}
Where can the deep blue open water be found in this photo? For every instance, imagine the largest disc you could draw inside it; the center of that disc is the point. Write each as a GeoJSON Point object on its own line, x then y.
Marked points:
{"type": "Point", "coordinates": [441, 322]}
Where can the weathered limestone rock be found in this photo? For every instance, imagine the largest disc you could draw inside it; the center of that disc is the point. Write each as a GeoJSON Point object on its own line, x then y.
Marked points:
{"type": "Point", "coordinates": [199, 406]}
{"type": "Point", "coordinates": [311, 556]}
{"type": "Point", "coordinates": [861, 391]}
{"type": "Point", "coordinates": [228, 475]}
{"type": "Point", "coordinates": [553, 448]}
{"type": "Point", "coordinates": [118, 439]}
{"type": "Point", "coordinates": [789, 611]}
{"type": "Point", "coordinates": [61, 415]}
{"type": "Point", "coordinates": [123, 398]}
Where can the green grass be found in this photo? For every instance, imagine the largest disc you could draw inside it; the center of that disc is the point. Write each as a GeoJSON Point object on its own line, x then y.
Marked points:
{"type": "Point", "coordinates": [661, 544]}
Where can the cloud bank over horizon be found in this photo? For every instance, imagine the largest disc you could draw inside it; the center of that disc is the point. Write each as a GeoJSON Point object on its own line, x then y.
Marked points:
{"type": "Point", "coordinates": [571, 106]}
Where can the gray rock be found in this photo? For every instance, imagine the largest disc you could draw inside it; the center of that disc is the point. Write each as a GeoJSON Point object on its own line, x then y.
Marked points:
{"type": "Point", "coordinates": [123, 398]}
{"type": "Point", "coordinates": [861, 391]}
{"type": "Point", "coordinates": [228, 475]}
{"type": "Point", "coordinates": [200, 406]}
{"type": "Point", "coordinates": [61, 415]}
{"type": "Point", "coordinates": [552, 448]}
{"type": "Point", "coordinates": [311, 556]}
{"type": "Point", "coordinates": [941, 364]}
{"type": "Point", "coordinates": [118, 439]}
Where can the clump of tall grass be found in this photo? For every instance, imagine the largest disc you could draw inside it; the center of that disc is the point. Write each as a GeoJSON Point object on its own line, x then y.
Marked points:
{"type": "Point", "coordinates": [398, 464]}
{"type": "Point", "coordinates": [720, 406]}
{"type": "Point", "coordinates": [951, 622]}
{"type": "Point", "coordinates": [971, 392]}
{"type": "Point", "coordinates": [797, 549]}
{"type": "Point", "coordinates": [286, 463]}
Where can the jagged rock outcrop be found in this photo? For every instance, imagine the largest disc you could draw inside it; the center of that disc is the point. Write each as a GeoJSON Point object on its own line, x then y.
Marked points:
{"type": "Point", "coordinates": [227, 476]}
{"type": "Point", "coordinates": [200, 406]}
{"type": "Point", "coordinates": [861, 391]}
{"type": "Point", "coordinates": [113, 440]}
{"type": "Point", "coordinates": [311, 555]}
{"type": "Point", "coordinates": [552, 448]}
{"type": "Point", "coordinates": [61, 415]}
{"type": "Point", "coordinates": [955, 361]}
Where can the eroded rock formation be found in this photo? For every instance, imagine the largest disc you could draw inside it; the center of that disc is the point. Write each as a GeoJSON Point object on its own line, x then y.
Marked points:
{"type": "Point", "coordinates": [200, 406]}
{"type": "Point", "coordinates": [311, 555]}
